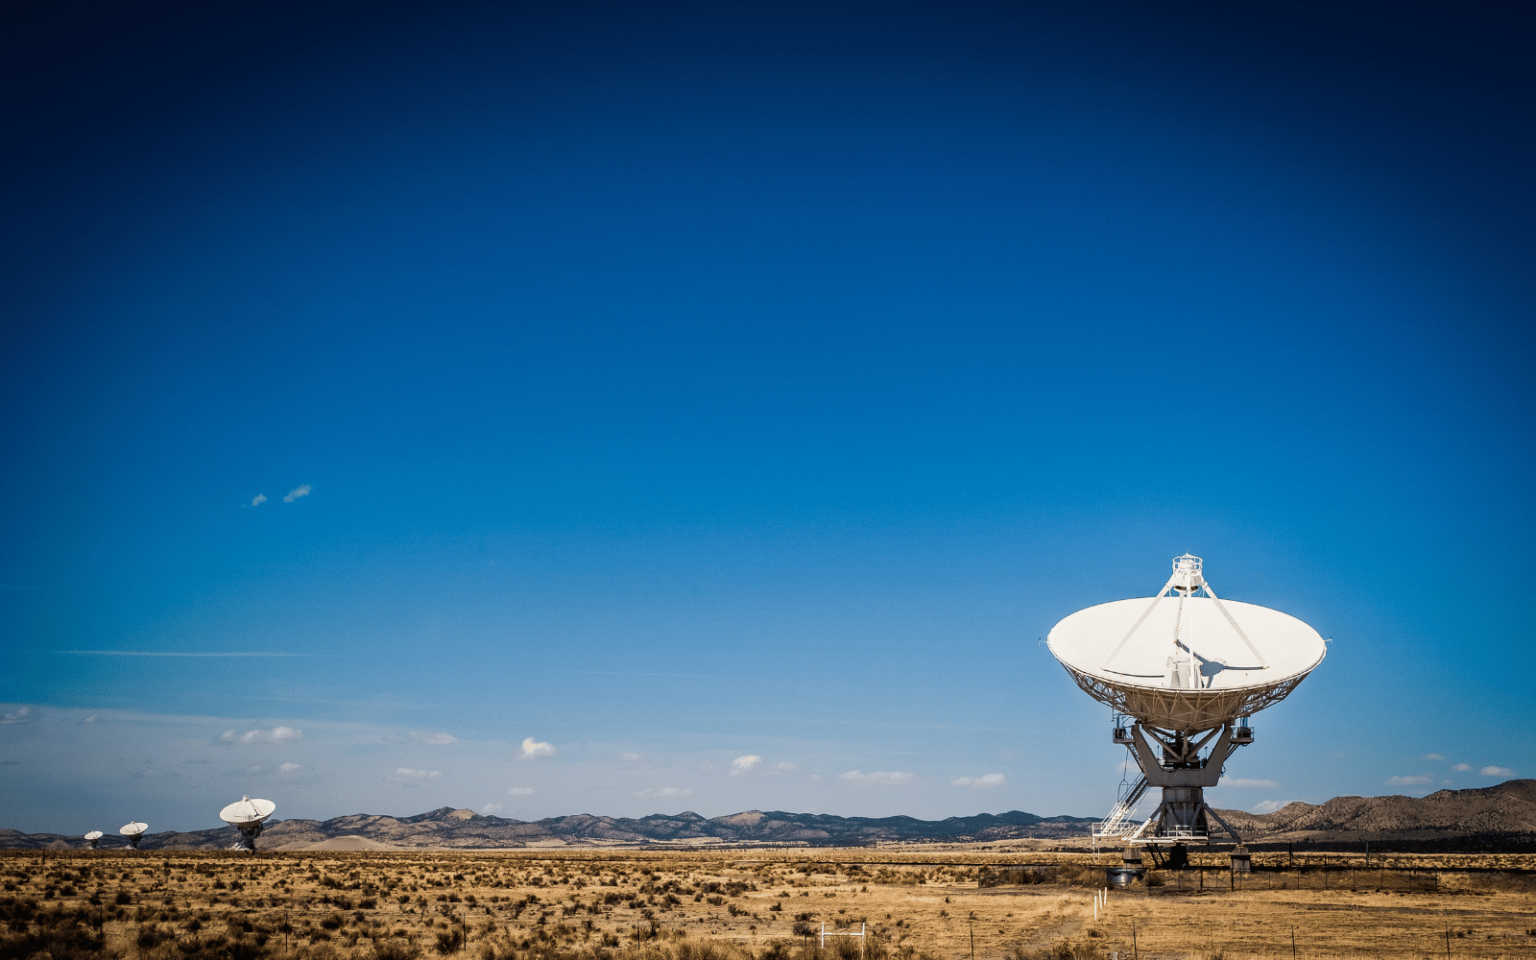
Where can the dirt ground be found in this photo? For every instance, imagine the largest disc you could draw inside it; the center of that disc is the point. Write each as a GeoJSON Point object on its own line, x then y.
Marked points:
{"type": "Point", "coordinates": [769, 905]}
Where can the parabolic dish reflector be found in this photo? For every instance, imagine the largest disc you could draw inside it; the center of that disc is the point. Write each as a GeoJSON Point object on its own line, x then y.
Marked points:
{"type": "Point", "coordinates": [1186, 662]}
{"type": "Point", "coordinates": [93, 835]}
{"type": "Point", "coordinates": [134, 829]}
{"type": "Point", "coordinates": [247, 811]}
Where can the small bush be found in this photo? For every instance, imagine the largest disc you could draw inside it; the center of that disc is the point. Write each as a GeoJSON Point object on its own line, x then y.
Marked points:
{"type": "Point", "coordinates": [395, 950]}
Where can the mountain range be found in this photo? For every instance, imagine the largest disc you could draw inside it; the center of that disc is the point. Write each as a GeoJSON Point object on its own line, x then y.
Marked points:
{"type": "Point", "coordinates": [465, 829]}
{"type": "Point", "coordinates": [1500, 815]}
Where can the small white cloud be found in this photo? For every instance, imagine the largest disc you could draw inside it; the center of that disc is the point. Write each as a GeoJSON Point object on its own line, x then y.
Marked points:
{"type": "Point", "coordinates": [630, 757]}
{"type": "Point", "coordinates": [1407, 781]}
{"type": "Point", "coordinates": [1433, 756]}
{"type": "Point", "coordinates": [22, 715]}
{"type": "Point", "coordinates": [981, 782]}
{"type": "Point", "coordinates": [533, 748]}
{"type": "Point", "coordinates": [92, 718]}
{"type": "Point", "coordinates": [519, 791]}
{"type": "Point", "coordinates": [664, 792]}
{"type": "Point", "coordinates": [275, 735]}
{"type": "Point", "coordinates": [877, 777]}
{"type": "Point", "coordinates": [743, 765]}
{"type": "Point", "coordinates": [784, 767]}
{"type": "Point", "coordinates": [407, 775]}
{"type": "Point", "coordinates": [1496, 772]}
{"type": "Point", "coordinates": [1245, 782]}
{"type": "Point", "coordinates": [1270, 806]}
{"type": "Point", "coordinates": [290, 767]}
{"type": "Point", "coordinates": [258, 500]}
{"type": "Point", "coordinates": [302, 490]}
{"type": "Point", "coordinates": [1462, 767]}
{"type": "Point", "coordinates": [436, 739]}
{"type": "Point", "coordinates": [492, 808]}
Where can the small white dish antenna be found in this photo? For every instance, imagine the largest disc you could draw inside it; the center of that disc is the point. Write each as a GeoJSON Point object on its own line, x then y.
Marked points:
{"type": "Point", "coordinates": [93, 838]}
{"type": "Point", "coordinates": [134, 832]}
{"type": "Point", "coordinates": [248, 816]}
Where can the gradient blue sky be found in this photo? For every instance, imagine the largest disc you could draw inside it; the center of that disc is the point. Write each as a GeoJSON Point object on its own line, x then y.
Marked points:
{"type": "Point", "coordinates": [673, 385]}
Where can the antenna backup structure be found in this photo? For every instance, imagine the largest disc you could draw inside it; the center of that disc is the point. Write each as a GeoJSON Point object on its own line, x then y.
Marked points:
{"type": "Point", "coordinates": [93, 838]}
{"type": "Point", "coordinates": [1186, 669]}
{"type": "Point", "coordinates": [248, 816]}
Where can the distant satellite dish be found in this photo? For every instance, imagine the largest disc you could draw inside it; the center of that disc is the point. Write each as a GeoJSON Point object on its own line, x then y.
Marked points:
{"type": "Point", "coordinates": [134, 832]}
{"type": "Point", "coordinates": [93, 838]}
{"type": "Point", "coordinates": [248, 815]}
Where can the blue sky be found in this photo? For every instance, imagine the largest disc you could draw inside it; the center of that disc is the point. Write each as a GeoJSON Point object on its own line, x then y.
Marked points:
{"type": "Point", "coordinates": [638, 391]}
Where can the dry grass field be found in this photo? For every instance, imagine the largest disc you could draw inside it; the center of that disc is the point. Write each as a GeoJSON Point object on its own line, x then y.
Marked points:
{"type": "Point", "coordinates": [736, 905]}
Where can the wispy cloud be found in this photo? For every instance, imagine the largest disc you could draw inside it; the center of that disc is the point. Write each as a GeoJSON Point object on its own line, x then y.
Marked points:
{"type": "Point", "coordinates": [275, 735]}
{"type": "Point", "coordinates": [407, 775]}
{"type": "Point", "coordinates": [664, 792]}
{"type": "Point", "coordinates": [743, 765]}
{"type": "Point", "coordinates": [631, 757]}
{"type": "Point", "coordinates": [290, 767]}
{"type": "Point", "coordinates": [520, 791]}
{"type": "Point", "coordinates": [1245, 782]}
{"type": "Point", "coordinates": [302, 490]}
{"type": "Point", "coordinates": [883, 777]}
{"type": "Point", "coordinates": [1462, 768]}
{"type": "Point", "coordinates": [91, 719]}
{"type": "Point", "coordinates": [1270, 806]}
{"type": "Point", "coordinates": [22, 715]}
{"type": "Point", "coordinates": [258, 500]}
{"type": "Point", "coordinates": [784, 767]}
{"type": "Point", "coordinates": [533, 748]}
{"type": "Point", "coordinates": [1492, 771]}
{"type": "Point", "coordinates": [982, 782]}
{"type": "Point", "coordinates": [435, 739]}
{"type": "Point", "coordinates": [1433, 756]}
{"type": "Point", "coordinates": [1417, 781]}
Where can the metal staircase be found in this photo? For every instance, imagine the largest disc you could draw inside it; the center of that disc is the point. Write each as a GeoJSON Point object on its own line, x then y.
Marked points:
{"type": "Point", "coordinates": [1119, 823]}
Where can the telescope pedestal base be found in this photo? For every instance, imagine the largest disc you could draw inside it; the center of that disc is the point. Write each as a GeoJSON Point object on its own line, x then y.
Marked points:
{"type": "Point", "coordinates": [248, 834]}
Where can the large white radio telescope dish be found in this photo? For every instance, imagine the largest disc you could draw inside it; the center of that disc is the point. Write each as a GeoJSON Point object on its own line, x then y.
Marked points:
{"type": "Point", "coordinates": [1188, 669]}
{"type": "Point", "coordinates": [245, 810]}
{"type": "Point", "coordinates": [1185, 662]}
{"type": "Point", "coordinates": [134, 832]}
{"type": "Point", "coordinates": [248, 815]}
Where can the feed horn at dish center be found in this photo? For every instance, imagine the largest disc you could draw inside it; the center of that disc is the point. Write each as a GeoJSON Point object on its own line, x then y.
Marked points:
{"type": "Point", "coordinates": [1184, 671]}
